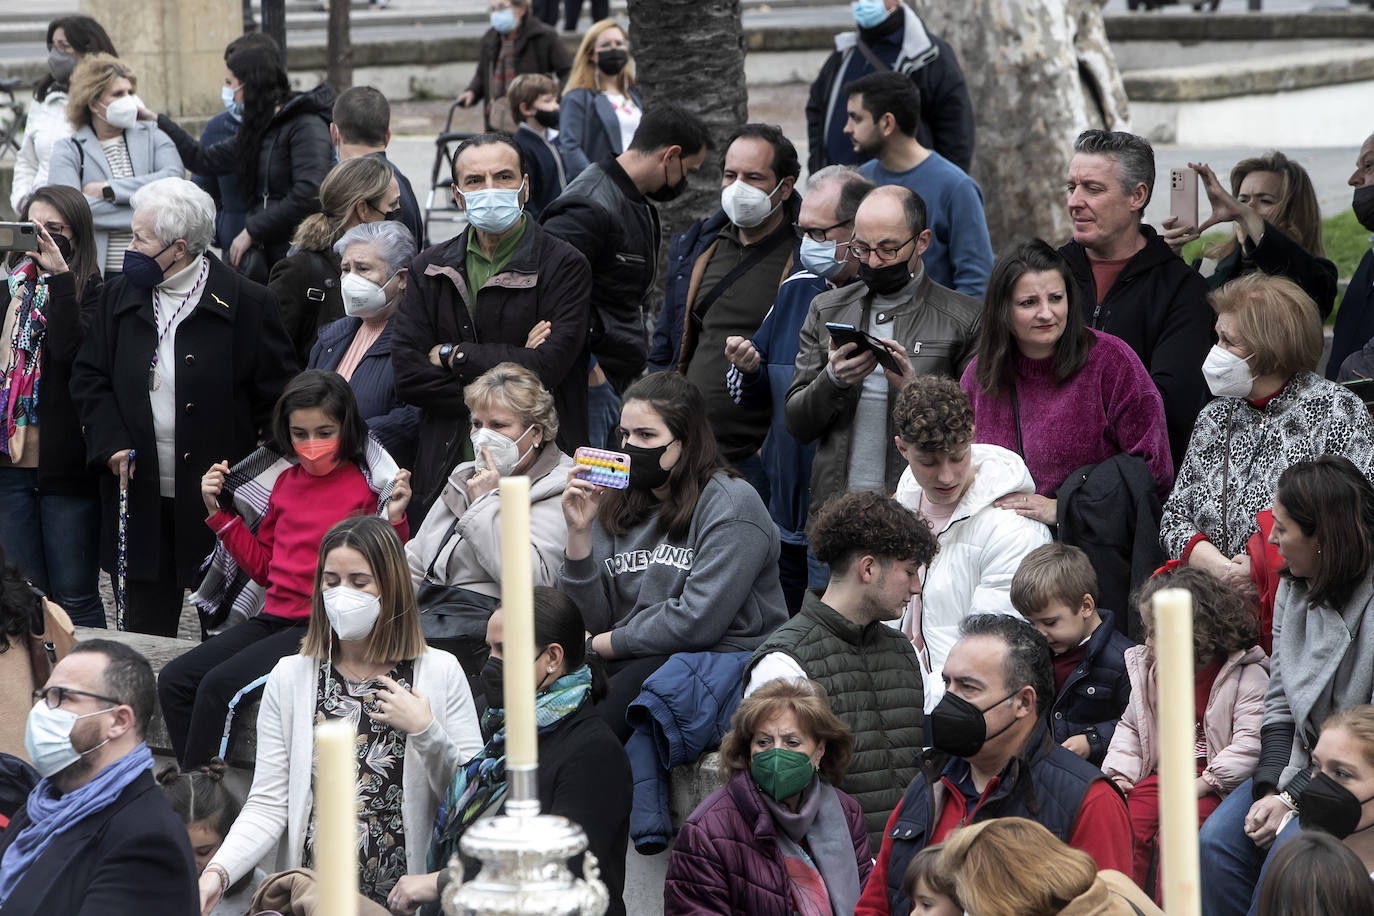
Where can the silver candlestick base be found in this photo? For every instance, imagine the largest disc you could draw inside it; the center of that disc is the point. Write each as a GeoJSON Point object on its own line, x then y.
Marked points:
{"type": "Point", "coordinates": [524, 856]}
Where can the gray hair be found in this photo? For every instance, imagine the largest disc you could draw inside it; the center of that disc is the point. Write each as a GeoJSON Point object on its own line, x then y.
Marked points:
{"type": "Point", "coordinates": [1135, 158]}
{"type": "Point", "coordinates": [393, 242]}
{"type": "Point", "coordinates": [181, 210]}
{"type": "Point", "coordinates": [1029, 661]}
{"type": "Point", "coordinates": [853, 189]}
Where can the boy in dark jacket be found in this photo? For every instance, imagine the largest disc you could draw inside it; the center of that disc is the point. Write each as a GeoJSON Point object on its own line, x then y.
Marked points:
{"type": "Point", "coordinates": [1055, 589]}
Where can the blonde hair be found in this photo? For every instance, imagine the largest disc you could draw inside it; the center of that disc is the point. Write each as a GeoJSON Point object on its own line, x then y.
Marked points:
{"type": "Point", "coordinates": [91, 80]}
{"type": "Point", "coordinates": [513, 386]}
{"type": "Point", "coordinates": [1298, 214]}
{"type": "Point", "coordinates": [396, 636]}
{"type": "Point", "coordinates": [347, 184]}
{"type": "Point", "coordinates": [584, 74]}
{"type": "Point", "coordinates": [1359, 721]}
{"type": "Point", "coordinates": [1011, 866]}
{"type": "Point", "coordinates": [1275, 319]}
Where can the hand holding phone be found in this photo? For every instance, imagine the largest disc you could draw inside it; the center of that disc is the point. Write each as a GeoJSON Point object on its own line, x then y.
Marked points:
{"type": "Point", "coordinates": [1183, 197]}
{"type": "Point", "coordinates": [841, 334]}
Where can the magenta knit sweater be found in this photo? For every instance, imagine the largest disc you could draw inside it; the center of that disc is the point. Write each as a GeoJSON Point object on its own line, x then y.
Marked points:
{"type": "Point", "coordinates": [1110, 407]}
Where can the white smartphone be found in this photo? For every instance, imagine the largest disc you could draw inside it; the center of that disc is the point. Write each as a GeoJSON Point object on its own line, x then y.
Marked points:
{"type": "Point", "coordinates": [1183, 196]}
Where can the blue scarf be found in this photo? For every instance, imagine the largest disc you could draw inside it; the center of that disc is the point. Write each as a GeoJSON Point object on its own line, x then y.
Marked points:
{"type": "Point", "coordinates": [51, 815]}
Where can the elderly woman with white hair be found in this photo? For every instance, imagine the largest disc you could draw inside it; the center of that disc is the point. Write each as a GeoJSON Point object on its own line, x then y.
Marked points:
{"type": "Point", "coordinates": [373, 258]}
{"type": "Point", "coordinates": [180, 368]}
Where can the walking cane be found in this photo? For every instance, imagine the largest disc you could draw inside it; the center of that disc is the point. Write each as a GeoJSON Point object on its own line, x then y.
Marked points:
{"type": "Point", "coordinates": [121, 547]}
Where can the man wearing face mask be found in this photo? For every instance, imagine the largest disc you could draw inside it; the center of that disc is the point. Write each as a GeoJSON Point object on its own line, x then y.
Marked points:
{"type": "Point", "coordinates": [608, 214]}
{"type": "Point", "coordinates": [180, 368]}
{"type": "Point", "coordinates": [1354, 329]}
{"type": "Point", "coordinates": [761, 366]}
{"type": "Point", "coordinates": [516, 43]}
{"type": "Point", "coordinates": [993, 756]}
{"type": "Point", "coordinates": [840, 396]}
{"type": "Point", "coordinates": [504, 290]}
{"type": "Point", "coordinates": [96, 835]}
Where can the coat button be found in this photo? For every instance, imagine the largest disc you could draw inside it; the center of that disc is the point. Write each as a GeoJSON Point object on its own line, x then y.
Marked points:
{"type": "Point", "coordinates": [190, 407]}
{"type": "Point", "coordinates": [1092, 690]}
{"type": "Point", "coordinates": [190, 359]}
{"type": "Point", "coordinates": [185, 457]}
{"type": "Point", "coordinates": [1059, 715]}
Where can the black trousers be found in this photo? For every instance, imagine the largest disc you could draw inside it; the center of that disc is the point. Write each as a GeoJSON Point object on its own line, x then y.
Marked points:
{"type": "Point", "coordinates": [627, 677]}
{"type": "Point", "coordinates": [601, 9]}
{"type": "Point", "coordinates": [154, 607]}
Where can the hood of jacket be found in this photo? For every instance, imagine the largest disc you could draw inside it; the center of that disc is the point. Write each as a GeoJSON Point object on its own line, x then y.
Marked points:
{"type": "Point", "coordinates": [318, 101]}
{"type": "Point", "coordinates": [996, 472]}
{"type": "Point", "coordinates": [916, 41]}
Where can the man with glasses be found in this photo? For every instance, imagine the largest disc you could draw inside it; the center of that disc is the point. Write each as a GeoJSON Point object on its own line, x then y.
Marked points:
{"type": "Point", "coordinates": [96, 835]}
{"type": "Point", "coordinates": [761, 366]}
{"type": "Point", "coordinates": [840, 396]}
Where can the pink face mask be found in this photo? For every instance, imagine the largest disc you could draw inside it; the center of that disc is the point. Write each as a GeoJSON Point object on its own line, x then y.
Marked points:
{"type": "Point", "coordinates": [318, 456]}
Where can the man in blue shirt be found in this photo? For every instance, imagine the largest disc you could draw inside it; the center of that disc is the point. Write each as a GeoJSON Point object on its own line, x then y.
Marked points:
{"type": "Point", "coordinates": [883, 112]}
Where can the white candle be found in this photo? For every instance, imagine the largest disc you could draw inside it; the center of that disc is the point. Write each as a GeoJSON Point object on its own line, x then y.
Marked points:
{"type": "Point", "coordinates": [517, 631]}
{"type": "Point", "coordinates": [336, 818]}
{"type": "Point", "coordinates": [1178, 849]}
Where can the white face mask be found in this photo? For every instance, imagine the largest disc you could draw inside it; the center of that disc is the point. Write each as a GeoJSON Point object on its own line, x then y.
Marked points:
{"type": "Point", "coordinates": [361, 297]}
{"type": "Point", "coordinates": [48, 738]}
{"type": "Point", "coordinates": [122, 112]}
{"type": "Point", "coordinates": [746, 205]}
{"type": "Point", "coordinates": [351, 613]}
{"type": "Point", "coordinates": [505, 452]}
{"type": "Point", "coordinates": [1227, 374]}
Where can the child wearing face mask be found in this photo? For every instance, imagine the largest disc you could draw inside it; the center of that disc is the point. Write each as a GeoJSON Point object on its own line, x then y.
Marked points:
{"type": "Point", "coordinates": [337, 472]}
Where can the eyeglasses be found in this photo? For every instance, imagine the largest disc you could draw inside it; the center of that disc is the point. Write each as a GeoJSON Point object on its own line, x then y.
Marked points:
{"type": "Point", "coordinates": [56, 696]}
{"type": "Point", "coordinates": [815, 233]}
{"type": "Point", "coordinates": [884, 252]}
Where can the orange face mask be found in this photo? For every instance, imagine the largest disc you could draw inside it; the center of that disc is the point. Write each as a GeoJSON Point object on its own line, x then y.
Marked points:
{"type": "Point", "coordinates": [318, 456]}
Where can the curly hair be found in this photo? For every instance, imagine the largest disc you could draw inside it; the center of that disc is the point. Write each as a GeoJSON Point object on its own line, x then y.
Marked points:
{"type": "Point", "coordinates": [933, 414]}
{"type": "Point", "coordinates": [865, 522]}
{"type": "Point", "coordinates": [1222, 621]}
{"type": "Point", "coordinates": [808, 703]}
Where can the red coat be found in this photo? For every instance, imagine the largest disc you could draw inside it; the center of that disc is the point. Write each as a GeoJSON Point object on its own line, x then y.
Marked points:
{"type": "Point", "coordinates": [726, 858]}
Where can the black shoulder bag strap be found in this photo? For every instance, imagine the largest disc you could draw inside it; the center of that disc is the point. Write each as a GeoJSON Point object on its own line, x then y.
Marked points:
{"type": "Point", "coordinates": [1016, 418]}
{"type": "Point", "coordinates": [867, 52]}
{"type": "Point", "coordinates": [765, 248]}
{"type": "Point", "coordinates": [447, 542]}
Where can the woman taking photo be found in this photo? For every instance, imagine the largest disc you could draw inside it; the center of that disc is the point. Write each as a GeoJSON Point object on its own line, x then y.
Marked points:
{"type": "Point", "coordinates": [280, 155]}
{"type": "Point", "coordinates": [373, 258]}
{"type": "Point", "coordinates": [1323, 662]}
{"type": "Point", "coordinates": [362, 660]}
{"type": "Point", "coordinates": [49, 499]}
{"type": "Point", "coordinates": [111, 155]}
{"type": "Point", "coordinates": [779, 837]}
{"type": "Point", "coordinates": [1053, 390]}
{"type": "Point", "coordinates": [1271, 410]}
{"type": "Point", "coordinates": [600, 110]}
{"type": "Point", "coordinates": [708, 577]}
{"type": "Point", "coordinates": [70, 38]}
{"type": "Point", "coordinates": [584, 774]}
{"type": "Point", "coordinates": [306, 282]}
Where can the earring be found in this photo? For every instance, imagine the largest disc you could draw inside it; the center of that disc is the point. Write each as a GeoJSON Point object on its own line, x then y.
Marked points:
{"type": "Point", "coordinates": [550, 671]}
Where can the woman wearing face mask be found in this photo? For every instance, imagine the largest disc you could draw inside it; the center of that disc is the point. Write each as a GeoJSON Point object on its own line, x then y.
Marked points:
{"type": "Point", "coordinates": [683, 560]}
{"type": "Point", "coordinates": [600, 109]}
{"type": "Point", "coordinates": [373, 257]}
{"type": "Point", "coordinates": [1339, 799]}
{"type": "Point", "coordinates": [111, 155]}
{"type": "Point", "coordinates": [1270, 411]}
{"type": "Point", "coordinates": [584, 774]}
{"type": "Point", "coordinates": [362, 660]}
{"type": "Point", "coordinates": [49, 499]}
{"type": "Point", "coordinates": [70, 38]}
{"type": "Point", "coordinates": [778, 837]}
{"type": "Point", "coordinates": [307, 281]}
{"type": "Point", "coordinates": [516, 43]}
{"type": "Point", "coordinates": [1323, 663]}
{"type": "Point", "coordinates": [336, 473]}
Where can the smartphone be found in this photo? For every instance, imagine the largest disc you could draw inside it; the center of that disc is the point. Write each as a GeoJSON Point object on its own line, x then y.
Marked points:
{"type": "Point", "coordinates": [1183, 196]}
{"type": "Point", "coordinates": [847, 333]}
{"type": "Point", "coordinates": [1363, 388]}
{"type": "Point", "coordinates": [18, 237]}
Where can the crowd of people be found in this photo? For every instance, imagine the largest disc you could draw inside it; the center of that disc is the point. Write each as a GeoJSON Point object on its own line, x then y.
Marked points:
{"type": "Point", "coordinates": [896, 509]}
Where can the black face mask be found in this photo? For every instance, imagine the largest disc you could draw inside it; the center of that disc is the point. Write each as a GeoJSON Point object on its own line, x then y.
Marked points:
{"type": "Point", "coordinates": [493, 681]}
{"type": "Point", "coordinates": [886, 280]}
{"type": "Point", "coordinates": [1329, 806]}
{"type": "Point", "coordinates": [392, 216]}
{"type": "Point", "coordinates": [645, 471]}
{"type": "Point", "coordinates": [1364, 206]}
{"type": "Point", "coordinates": [668, 192]}
{"type": "Point", "coordinates": [957, 726]}
{"type": "Point", "coordinates": [64, 246]}
{"type": "Point", "coordinates": [546, 118]}
{"type": "Point", "coordinates": [612, 62]}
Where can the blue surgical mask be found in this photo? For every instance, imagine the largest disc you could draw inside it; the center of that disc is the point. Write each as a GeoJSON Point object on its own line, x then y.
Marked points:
{"type": "Point", "coordinates": [869, 13]}
{"type": "Point", "coordinates": [493, 210]}
{"type": "Point", "coordinates": [819, 258]}
{"type": "Point", "coordinates": [503, 20]}
{"type": "Point", "coordinates": [226, 95]}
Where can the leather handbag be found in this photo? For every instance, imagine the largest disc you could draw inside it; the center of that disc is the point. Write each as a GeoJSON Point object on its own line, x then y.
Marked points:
{"type": "Point", "coordinates": [50, 646]}
{"type": "Point", "coordinates": [453, 618]}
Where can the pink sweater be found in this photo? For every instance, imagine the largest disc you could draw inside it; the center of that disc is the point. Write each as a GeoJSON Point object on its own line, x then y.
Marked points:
{"type": "Point", "coordinates": [1110, 407]}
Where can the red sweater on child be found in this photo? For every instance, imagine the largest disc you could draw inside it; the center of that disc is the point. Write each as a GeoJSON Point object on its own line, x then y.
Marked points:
{"type": "Point", "coordinates": [300, 510]}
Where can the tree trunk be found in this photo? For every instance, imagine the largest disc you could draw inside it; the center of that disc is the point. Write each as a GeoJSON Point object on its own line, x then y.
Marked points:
{"type": "Point", "coordinates": [692, 52]}
{"type": "Point", "coordinates": [339, 51]}
{"type": "Point", "coordinates": [1039, 72]}
{"type": "Point", "coordinates": [274, 23]}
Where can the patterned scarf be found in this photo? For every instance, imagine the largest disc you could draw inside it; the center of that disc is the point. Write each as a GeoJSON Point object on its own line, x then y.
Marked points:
{"type": "Point", "coordinates": [480, 784]}
{"type": "Point", "coordinates": [19, 380]}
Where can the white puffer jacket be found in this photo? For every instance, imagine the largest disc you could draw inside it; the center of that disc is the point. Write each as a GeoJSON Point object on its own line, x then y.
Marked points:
{"type": "Point", "coordinates": [980, 550]}
{"type": "Point", "coordinates": [45, 124]}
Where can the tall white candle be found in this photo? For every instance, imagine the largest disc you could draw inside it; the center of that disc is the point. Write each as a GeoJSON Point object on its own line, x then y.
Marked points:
{"type": "Point", "coordinates": [517, 637]}
{"type": "Point", "coordinates": [336, 818]}
{"type": "Point", "coordinates": [1173, 619]}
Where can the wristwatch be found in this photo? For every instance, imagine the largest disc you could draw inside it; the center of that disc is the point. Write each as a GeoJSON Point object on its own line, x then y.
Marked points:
{"type": "Point", "coordinates": [446, 355]}
{"type": "Point", "coordinates": [107, 192]}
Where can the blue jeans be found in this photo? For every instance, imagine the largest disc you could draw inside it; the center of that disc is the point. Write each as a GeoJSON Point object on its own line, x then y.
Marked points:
{"type": "Point", "coordinates": [1231, 861]}
{"type": "Point", "coordinates": [751, 469]}
{"type": "Point", "coordinates": [54, 540]}
{"type": "Point", "coordinates": [817, 573]}
{"type": "Point", "coordinates": [603, 416]}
